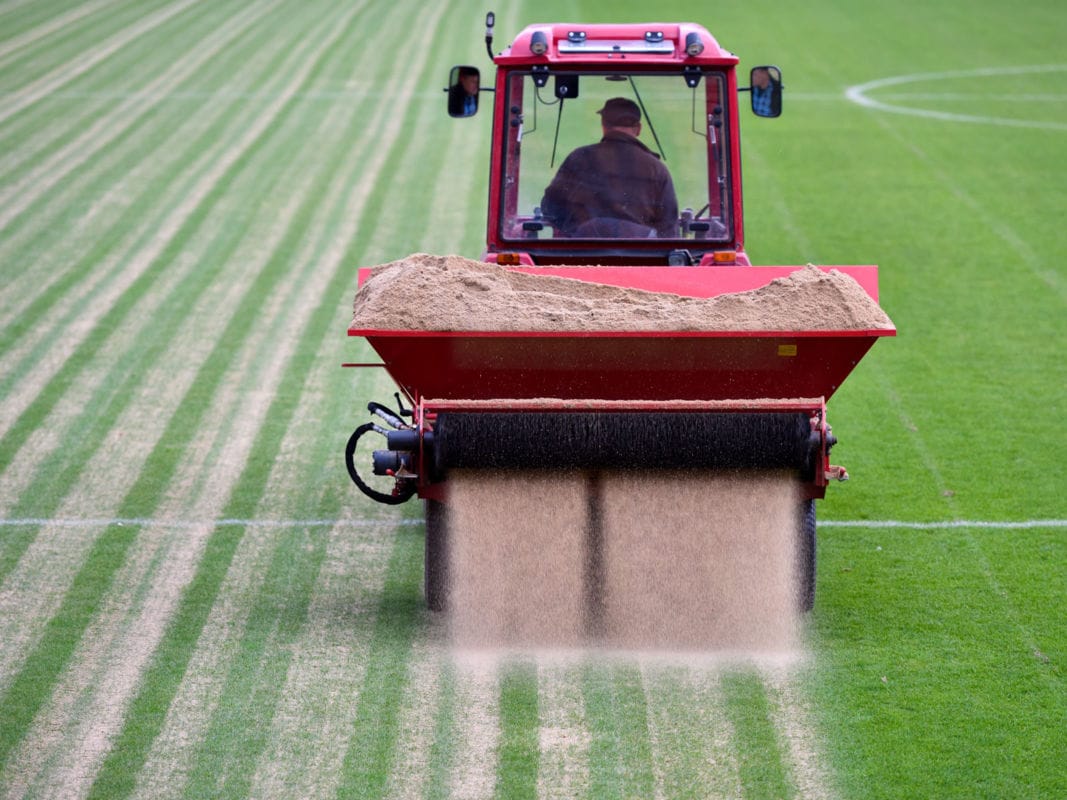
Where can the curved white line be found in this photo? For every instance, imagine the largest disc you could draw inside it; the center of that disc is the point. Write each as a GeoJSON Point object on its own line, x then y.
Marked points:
{"type": "Point", "coordinates": [858, 95]}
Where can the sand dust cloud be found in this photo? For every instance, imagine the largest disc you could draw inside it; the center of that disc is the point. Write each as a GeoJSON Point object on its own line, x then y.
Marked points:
{"type": "Point", "coordinates": [624, 561]}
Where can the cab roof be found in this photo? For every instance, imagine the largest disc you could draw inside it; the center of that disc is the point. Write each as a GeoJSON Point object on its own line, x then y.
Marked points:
{"type": "Point", "coordinates": [609, 44]}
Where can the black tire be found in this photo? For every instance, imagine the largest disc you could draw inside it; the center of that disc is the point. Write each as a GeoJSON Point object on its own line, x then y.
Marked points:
{"type": "Point", "coordinates": [806, 556]}
{"type": "Point", "coordinates": [436, 570]}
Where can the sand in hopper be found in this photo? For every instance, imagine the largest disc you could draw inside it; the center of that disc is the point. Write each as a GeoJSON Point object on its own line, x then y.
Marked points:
{"type": "Point", "coordinates": [688, 561]}
{"type": "Point", "coordinates": [452, 293]}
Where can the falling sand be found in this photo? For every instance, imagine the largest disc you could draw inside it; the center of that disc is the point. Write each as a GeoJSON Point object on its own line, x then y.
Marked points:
{"type": "Point", "coordinates": [638, 561]}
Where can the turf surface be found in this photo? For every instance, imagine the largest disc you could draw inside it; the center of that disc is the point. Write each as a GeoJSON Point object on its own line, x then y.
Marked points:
{"type": "Point", "coordinates": [186, 191]}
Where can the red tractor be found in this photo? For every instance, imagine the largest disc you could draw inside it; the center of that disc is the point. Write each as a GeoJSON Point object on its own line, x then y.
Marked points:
{"type": "Point", "coordinates": [580, 400]}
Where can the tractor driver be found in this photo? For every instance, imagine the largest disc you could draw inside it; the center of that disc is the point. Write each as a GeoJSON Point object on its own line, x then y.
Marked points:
{"type": "Point", "coordinates": [616, 188]}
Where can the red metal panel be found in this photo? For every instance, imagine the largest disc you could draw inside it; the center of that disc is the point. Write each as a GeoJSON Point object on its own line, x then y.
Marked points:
{"type": "Point", "coordinates": [614, 366]}
{"type": "Point", "coordinates": [631, 365]}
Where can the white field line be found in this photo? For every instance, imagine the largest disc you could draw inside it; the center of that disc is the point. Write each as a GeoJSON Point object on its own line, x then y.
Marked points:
{"type": "Point", "coordinates": [873, 524]}
{"type": "Point", "coordinates": [859, 94]}
{"type": "Point", "coordinates": [1026, 637]}
{"type": "Point", "coordinates": [1021, 97]}
{"type": "Point", "coordinates": [135, 264]}
{"type": "Point", "coordinates": [9, 48]}
{"type": "Point", "coordinates": [945, 525]}
{"type": "Point", "coordinates": [45, 85]}
{"type": "Point", "coordinates": [230, 95]}
{"type": "Point", "coordinates": [48, 172]}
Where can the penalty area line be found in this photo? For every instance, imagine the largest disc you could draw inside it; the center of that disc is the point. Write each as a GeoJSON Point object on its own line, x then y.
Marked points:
{"type": "Point", "coordinates": [101, 522]}
{"type": "Point", "coordinates": [946, 524]}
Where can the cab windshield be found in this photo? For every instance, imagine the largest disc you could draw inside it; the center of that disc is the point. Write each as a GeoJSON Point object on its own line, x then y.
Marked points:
{"type": "Point", "coordinates": [607, 156]}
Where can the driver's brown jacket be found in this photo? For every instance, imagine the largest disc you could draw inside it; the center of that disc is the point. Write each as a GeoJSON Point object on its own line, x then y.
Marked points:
{"type": "Point", "coordinates": [614, 188]}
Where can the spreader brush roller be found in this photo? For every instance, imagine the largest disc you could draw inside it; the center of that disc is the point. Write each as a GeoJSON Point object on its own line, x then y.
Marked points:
{"type": "Point", "coordinates": [624, 440]}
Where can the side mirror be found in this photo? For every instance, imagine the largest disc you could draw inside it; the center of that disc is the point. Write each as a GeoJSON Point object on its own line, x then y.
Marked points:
{"type": "Point", "coordinates": [464, 84]}
{"type": "Point", "coordinates": [765, 84]}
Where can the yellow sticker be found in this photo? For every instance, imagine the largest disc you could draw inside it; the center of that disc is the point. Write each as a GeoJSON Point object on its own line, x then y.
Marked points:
{"type": "Point", "coordinates": [787, 349]}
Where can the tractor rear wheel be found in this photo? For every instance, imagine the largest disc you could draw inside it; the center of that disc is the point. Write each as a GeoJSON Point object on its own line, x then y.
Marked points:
{"type": "Point", "coordinates": [806, 556]}
{"type": "Point", "coordinates": [436, 571]}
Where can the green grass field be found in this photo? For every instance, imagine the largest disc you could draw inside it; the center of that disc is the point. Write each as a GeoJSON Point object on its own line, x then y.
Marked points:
{"type": "Point", "coordinates": [195, 601]}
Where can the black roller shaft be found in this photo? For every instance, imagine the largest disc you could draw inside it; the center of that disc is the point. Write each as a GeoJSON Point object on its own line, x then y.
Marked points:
{"type": "Point", "coordinates": [627, 440]}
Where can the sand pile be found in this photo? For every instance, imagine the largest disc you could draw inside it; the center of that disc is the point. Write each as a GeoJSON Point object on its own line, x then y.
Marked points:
{"type": "Point", "coordinates": [452, 293]}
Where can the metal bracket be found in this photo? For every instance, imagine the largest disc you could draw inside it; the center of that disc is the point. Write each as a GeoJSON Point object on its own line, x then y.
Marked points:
{"type": "Point", "coordinates": [540, 74]}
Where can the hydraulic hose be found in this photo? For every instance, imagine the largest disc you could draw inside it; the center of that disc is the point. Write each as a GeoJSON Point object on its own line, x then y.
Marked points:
{"type": "Point", "coordinates": [393, 499]}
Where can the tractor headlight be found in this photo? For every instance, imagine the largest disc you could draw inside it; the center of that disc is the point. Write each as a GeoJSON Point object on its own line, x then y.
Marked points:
{"type": "Point", "coordinates": [538, 43]}
{"type": "Point", "coordinates": [693, 45]}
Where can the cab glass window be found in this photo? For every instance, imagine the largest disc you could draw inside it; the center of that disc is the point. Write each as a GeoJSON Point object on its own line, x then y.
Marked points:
{"type": "Point", "coordinates": [615, 156]}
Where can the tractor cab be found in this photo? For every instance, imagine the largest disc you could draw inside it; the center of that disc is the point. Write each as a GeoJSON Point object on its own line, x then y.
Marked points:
{"type": "Point", "coordinates": [616, 144]}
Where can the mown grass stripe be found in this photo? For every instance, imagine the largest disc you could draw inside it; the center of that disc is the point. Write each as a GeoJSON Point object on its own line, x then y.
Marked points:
{"type": "Point", "coordinates": [39, 162]}
{"type": "Point", "coordinates": [759, 752]}
{"type": "Point", "coordinates": [33, 684]}
{"type": "Point", "coordinates": [148, 709]}
{"type": "Point", "coordinates": [226, 758]}
{"type": "Point", "coordinates": [517, 768]}
{"type": "Point", "coordinates": [37, 35]}
{"type": "Point", "coordinates": [691, 739]}
{"type": "Point", "coordinates": [371, 751]}
{"type": "Point", "coordinates": [34, 681]}
{"type": "Point", "coordinates": [161, 141]}
{"type": "Point", "coordinates": [240, 727]}
{"type": "Point", "coordinates": [69, 41]}
{"type": "Point", "coordinates": [39, 88]}
{"type": "Point", "coordinates": [442, 750]}
{"type": "Point", "coordinates": [19, 17]}
{"type": "Point", "coordinates": [620, 754]}
{"type": "Point", "coordinates": [62, 468]}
